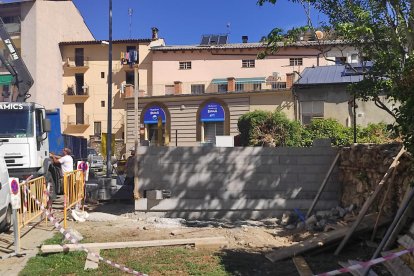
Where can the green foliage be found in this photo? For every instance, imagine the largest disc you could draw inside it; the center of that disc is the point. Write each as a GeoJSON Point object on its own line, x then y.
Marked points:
{"type": "Point", "coordinates": [263, 128]}
{"type": "Point", "coordinates": [326, 128]}
{"type": "Point", "coordinates": [381, 31]}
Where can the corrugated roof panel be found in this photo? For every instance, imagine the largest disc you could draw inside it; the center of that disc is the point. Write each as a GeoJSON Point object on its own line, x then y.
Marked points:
{"type": "Point", "coordinates": [326, 75]}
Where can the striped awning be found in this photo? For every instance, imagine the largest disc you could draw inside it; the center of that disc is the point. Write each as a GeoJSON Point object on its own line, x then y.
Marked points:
{"type": "Point", "coordinates": [241, 80]}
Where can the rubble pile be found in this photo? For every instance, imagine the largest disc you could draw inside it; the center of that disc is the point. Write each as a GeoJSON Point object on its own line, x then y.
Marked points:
{"type": "Point", "coordinates": [323, 220]}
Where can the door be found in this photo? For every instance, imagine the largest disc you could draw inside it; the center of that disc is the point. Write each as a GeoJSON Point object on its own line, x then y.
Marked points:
{"type": "Point", "coordinates": [80, 82]}
{"type": "Point", "coordinates": [79, 57]}
{"type": "Point", "coordinates": [80, 114]}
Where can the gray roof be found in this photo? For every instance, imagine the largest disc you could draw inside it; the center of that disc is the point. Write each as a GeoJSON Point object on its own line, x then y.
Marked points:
{"type": "Point", "coordinates": [249, 45]}
{"type": "Point", "coordinates": [326, 75]}
{"type": "Point", "coordinates": [115, 41]}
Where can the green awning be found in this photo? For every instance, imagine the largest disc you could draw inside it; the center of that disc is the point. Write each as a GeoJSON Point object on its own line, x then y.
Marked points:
{"type": "Point", "coordinates": [6, 79]}
{"type": "Point", "coordinates": [240, 80]}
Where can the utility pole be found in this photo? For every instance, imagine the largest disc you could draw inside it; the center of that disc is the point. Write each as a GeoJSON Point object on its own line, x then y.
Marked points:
{"type": "Point", "coordinates": [130, 12]}
{"type": "Point", "coordinates": [109, 125]}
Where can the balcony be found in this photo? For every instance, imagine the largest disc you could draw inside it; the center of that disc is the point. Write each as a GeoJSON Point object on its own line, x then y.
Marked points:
{"type": "Point", "coordinates": [76, 124]}
{"type": "Point", "coordinates": [75, 94]}
{"type": "Point", "coordinates": [75, 65]}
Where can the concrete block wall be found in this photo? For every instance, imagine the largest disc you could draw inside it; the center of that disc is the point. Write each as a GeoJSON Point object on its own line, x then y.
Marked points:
{"type": "Point", "coordinates": [251, 182]}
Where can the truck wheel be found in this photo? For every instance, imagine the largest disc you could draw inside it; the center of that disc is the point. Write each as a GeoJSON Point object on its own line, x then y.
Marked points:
{"type": "Point", "coordinates": [7, 222]}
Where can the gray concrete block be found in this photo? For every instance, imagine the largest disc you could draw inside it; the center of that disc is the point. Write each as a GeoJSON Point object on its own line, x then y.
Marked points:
{"type": "Point", "coordinates": [288, 160]}
{"type": "Point", "coordinates": [324, 143]}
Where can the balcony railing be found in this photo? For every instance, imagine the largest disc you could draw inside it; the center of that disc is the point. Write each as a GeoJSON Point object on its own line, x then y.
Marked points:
{"type": "Point", "coordinates": [74, 90]}
{"type": "Point", "coordinates": [199, 88]}
{"type": "Point", "coordinates": [73, 120]}
{"type": "Point", "coordinates": [72, 62]}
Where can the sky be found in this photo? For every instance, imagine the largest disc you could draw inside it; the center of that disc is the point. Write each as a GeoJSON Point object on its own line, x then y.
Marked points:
{"type": "Point", "coordinates": [185, 21]}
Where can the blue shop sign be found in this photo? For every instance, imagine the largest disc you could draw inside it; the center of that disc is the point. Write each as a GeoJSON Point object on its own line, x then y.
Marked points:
{"type": "Point", "coordinates": [212, 112]}
{"type": "Point", "coordinates": [151, 115]}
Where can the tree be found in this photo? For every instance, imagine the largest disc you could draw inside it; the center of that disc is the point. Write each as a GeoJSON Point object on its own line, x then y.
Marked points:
{"type": "Point", "coordinates": [382, 32]}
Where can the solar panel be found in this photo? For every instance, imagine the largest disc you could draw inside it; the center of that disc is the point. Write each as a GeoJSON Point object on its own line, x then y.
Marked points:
{"type": "Point", "coordinates": [222, 39]}
{"type": "Point", "coordinates": [205, 40]}
{"type": "Point", "coordinates": [214, 39]}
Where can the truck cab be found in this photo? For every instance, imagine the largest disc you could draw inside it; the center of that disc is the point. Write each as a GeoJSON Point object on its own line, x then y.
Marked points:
{"type": "Point", "coordinates": [23, 138]}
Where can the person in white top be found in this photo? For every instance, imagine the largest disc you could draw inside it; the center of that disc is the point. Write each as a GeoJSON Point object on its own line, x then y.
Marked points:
{"type": "Point", "coordinates": [66, 161]}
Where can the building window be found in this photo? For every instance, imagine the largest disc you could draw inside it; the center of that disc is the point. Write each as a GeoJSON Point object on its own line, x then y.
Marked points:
{"type": "Point", "coordinates": [354, 58]}
{"type": "Point", "coordinates": [185, 65]}
{"type": "Point", "coordinates": [130, 77]}
{"type": "Point", "coordinates": [102, 103]}
{"type": "Point", "coordinates": [102, 75]}
{"type": "Point", "coordinates": [197, 89]}
{"type": "Point", "coordinates": [278, 85]}
{"type": "Point", "coordinates": [239, 86]}
{"type": "Point", "coordinates": [311, 110]}
{"type": "Point", "coordinates": [169, 89]}
{"type": "Point", "coordinates": [296, 61]}
{"type": "Point", "coordinates": [248, 63]}
{"type": "Point", "coordinates": [340, 60]}
{"type": "Point", "coordinates": [97, 128]}
{"type": "Point", "coordinates": [222, 87]}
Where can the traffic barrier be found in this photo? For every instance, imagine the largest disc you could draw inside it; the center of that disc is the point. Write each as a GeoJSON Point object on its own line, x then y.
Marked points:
{"type": "Point", "coordinates": [73, 191]}
{"type": "Point", "coordinates": [29, 210]}
{"type": "Point", "coordinates": [73, 240]}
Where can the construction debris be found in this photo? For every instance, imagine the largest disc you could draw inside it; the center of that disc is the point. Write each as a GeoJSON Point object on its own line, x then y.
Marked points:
{"type": "Point", "coordinates": [322, 239]}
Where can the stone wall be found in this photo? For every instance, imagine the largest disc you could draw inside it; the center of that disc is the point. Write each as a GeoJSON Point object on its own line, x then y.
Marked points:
{"type": "Point", "coordinates": [249, 182]}
{"type": "Point", "coordinates": [119, 151]}
{"type": "Point", "coordinates": [363, 166]}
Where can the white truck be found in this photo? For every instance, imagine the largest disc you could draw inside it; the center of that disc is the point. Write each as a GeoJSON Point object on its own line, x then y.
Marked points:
{"type": "Point", "coordinates": [24, 127]}
{"type": "Point", "coordinates": [5, 207]}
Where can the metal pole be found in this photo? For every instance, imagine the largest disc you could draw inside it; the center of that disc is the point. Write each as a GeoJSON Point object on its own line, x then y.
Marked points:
{"type": "Point", "coordinates": [137, 135]}
{"type": "Point", "coordinates": [355, 128]}
{"type": "Point", "coordinates": [176, 137]}
{"type": "Point", "coordinates": [16, 233]}
{"type": "Point", "coordinates": [109, 130]}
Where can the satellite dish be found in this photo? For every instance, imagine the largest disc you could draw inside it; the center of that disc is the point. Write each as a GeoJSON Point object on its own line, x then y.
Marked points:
{"type": "Point", "coordinates": [319, 34]}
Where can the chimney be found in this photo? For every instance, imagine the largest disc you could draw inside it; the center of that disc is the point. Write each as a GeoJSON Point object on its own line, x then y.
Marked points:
{"type": "Point", "coordinates": [178, 87]}
{"type": "Point", "coordinates": [231, 84]}
{"type": "Point", "coordinates": [154, 31]}
{"type": "Point", "coordinates": [290, 78]}
{"type": "Point", "coordinates": [245, 38]}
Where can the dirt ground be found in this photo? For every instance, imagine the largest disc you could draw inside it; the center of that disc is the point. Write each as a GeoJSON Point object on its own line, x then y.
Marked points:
{"type": "Point", "coordinates": [248, 240]}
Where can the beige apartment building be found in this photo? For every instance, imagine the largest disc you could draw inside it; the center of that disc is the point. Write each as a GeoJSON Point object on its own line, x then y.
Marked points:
{"type": "Point", "coordinates": [192, 82]}
{"type": "Point", "coordinates": [85, 86]}
{"type": "Point", "coordinates": [37, 27]}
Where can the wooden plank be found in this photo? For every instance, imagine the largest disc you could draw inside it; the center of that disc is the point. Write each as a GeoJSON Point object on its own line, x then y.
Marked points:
{"type": "Point", "coordinates": [322, 239]}
{"type": "Point", "coordinates": [322, 187]}
{"type": "Point", "coordinates": [92, 262]}
{"type": "Point", "coordinates": [302, 266]}
{"type": "Point", "coordinates": [369, 202]}
{"type": "Point", "coordinates": [198, 242]}
{"type": "Point", "coordinates": [396, 266]}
